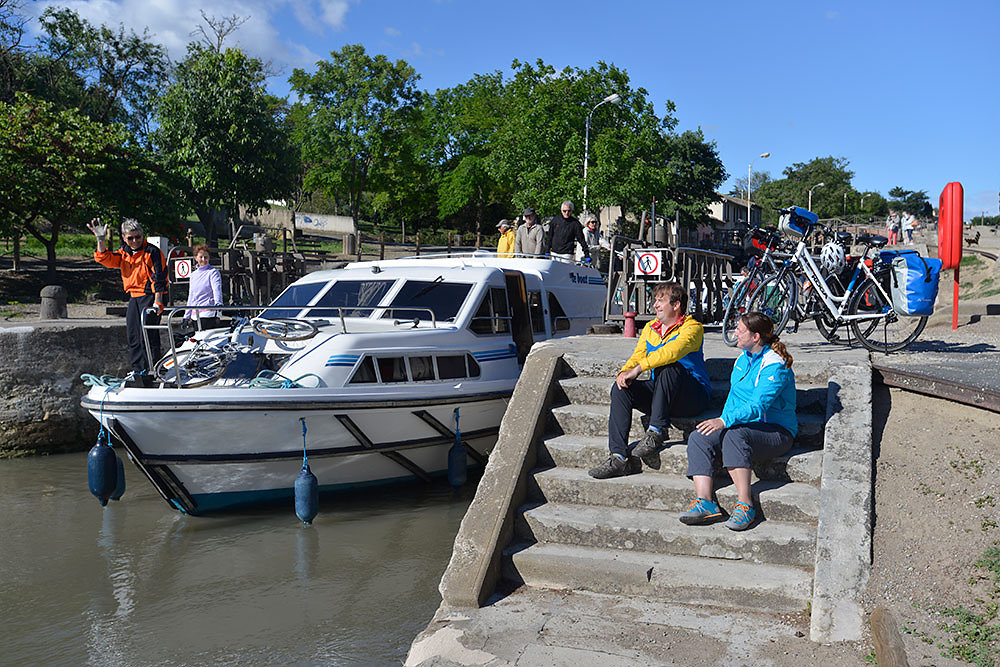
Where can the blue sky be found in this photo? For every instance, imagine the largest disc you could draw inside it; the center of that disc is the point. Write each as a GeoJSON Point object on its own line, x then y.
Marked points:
{"type": "Point", "coordinates": [906, 91]}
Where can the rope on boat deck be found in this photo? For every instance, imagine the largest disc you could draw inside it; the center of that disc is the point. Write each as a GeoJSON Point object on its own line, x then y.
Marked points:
{"type": "Point", "coordinates": [273, 380]}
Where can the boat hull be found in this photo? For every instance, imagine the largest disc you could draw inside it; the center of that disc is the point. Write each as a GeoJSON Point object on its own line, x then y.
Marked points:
{"type": "Point", "coordinates": [207, 458]}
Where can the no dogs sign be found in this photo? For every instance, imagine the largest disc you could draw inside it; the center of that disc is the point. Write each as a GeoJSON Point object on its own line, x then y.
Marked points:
{"type": "Point", "coordinates": [648, 263]}
{"type": "Point", "coordinates": [182, 269]}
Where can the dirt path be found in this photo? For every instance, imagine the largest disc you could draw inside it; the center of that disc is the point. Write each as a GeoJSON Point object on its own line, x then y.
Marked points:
{"type": "Point", "coordinates": [937, 510]}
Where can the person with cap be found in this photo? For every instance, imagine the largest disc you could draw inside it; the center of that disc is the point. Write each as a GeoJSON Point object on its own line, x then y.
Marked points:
{"type": "Point", "coordinates": [506, 244]}
{"type": "Point", "coordinates": [530, 238]}
{"type": "Point", "coordinates": [565, 232]}
{"type": "Point", "coordinates": [144, 277]}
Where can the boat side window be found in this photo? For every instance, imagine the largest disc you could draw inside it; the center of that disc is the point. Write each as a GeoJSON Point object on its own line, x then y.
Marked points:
{"type": "Point", "coordinates": [559, 320]}
{"type": "Point", "coordinates": [493, 314]}
{"type": "Point", "coordinates": [293, 299]}
{"type": "Point", "coordinates": [451, 367]}
{"type": "Point", "coordinates": [351, 293]}
{"type": "Point", "coordinates": [536, 312]}
{"type": "Point", "coordinates": [365, 372]}
{"type": "Point", "coordinates": [391, 369]}
{"type": "Point", "coordinates": [444, 299]}
{"type": "Point", "coordinates": [422, 368]}
{"type": "Point", "coordinates": [473, 366]}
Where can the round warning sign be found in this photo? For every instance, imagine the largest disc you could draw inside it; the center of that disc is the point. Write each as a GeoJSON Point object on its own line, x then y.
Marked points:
{"type": "Point", "coordinates": [182, 268]}
{"type": "Point", "coordinates": [647, 263]}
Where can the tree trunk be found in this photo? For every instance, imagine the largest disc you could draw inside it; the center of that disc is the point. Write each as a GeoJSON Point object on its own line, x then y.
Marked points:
{"type": "Point", "coordinates": [17, 251]}
{"type": "Point", "coordinates": [206, 216]}
{"type": "Point", "coordinates": [50, 258]}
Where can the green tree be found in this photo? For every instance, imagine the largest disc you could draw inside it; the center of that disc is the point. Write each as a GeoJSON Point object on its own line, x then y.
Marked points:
{"type": "Point", "coordinates": [353, 122]}
{"type": "Point", "coordinates": [59, 169]}
{"type": "Point", "coordinates": [793, 189]}
{"type": "Point", "coordinates": [911, 201]}
{"type": "Point", "coordinates": [739, 188]}
{"type": "Point", "coordinates": [222, 133]}
{"type": "Point", "coordinates": [111, 75]}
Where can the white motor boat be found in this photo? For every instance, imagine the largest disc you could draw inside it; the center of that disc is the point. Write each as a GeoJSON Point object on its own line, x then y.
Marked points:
{"type": "Point", "coordinates": [374, 371]}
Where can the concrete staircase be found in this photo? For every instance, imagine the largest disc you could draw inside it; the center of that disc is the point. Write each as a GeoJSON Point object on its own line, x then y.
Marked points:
{"type": "Point", "coordinates": [622, 535]}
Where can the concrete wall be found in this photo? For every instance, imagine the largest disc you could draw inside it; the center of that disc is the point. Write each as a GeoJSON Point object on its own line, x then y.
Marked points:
{"type": "Point", "coordinates": [309, 223]}
{"type": "Point", "coordinates": [40, 368]}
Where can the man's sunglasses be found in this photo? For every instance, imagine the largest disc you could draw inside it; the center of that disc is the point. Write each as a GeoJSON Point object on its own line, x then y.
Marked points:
{"type": "Point", "coordinates": [133, 238]}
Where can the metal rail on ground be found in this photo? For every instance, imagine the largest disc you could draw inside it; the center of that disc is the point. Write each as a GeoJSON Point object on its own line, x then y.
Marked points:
{"type": "Point", "coordinates": [951, 390]}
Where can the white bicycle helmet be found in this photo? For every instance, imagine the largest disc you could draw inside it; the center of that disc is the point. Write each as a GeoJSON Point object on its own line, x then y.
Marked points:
{"type": "Point", "coordinates": [831, 257]}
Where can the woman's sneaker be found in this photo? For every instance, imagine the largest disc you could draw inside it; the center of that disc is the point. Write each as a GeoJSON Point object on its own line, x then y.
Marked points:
{"type": "Point", "coordinates": [701, 511]}
{"type": "Point", "coordinates": [742, 516]}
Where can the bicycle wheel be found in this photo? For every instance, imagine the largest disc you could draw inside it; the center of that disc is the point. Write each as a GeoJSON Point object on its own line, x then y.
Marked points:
{"type": "Point", "coordinates": [194, 368]}
{"type": "Point", "coordinates": [775, 297]}
{"type": "Point", "coordinates": [735, 308]}
{"type": "Point", "coordinates": [284, 328]}
{"type": "Point", "coordinates": [826, 323]}
{"type": "Point", "coordinates": [885, 331]}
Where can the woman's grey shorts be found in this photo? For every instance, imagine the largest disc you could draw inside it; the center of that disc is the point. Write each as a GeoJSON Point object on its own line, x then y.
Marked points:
{"type": "Point", "coordinates": [739, 446]}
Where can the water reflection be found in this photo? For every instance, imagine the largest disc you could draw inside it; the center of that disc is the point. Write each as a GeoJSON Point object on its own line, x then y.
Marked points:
{"type": "Point", "coordinates": [137, 583]}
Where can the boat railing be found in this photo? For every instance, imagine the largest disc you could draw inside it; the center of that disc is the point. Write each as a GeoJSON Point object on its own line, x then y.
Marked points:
{"type": "Point", "coordinates": [480, 254]}
{"type": "Point", "coordinates": [172, 326]}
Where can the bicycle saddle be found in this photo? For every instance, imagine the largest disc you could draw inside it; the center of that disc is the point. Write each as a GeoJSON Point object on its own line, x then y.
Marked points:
{"type": "Point", "coordinates": [874, 240]}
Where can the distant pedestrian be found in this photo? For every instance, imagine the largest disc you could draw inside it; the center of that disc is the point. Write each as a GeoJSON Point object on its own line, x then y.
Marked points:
{"type": "Point", "coordinates": [505, 246]}
{"type": "Point", "coordinates": [595, 240]}
{"type": "Point", "coordinates": [565, 232]}
{"type": "Point", "coordinates": [892, 227]}
{"type": "Point", "coordinates": [530, 238]}
{"type": "Point", "coordinates": [909, 224]}
{"type": "Point", "coordinates": [144, 277]}
{"type": "Point", "coordinates": [205, 289]}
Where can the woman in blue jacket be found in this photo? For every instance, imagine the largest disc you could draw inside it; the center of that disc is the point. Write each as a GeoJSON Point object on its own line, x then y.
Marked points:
{"type": "Point", "coordinates": [757, 423]}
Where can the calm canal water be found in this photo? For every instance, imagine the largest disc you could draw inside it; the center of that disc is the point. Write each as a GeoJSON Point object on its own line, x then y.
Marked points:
{"type": "Point", "coordinates": [137, 583]}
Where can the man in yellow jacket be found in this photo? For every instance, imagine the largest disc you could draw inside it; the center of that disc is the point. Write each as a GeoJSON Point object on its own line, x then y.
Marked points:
{"type": "Point", "coordinates": [670, 348]}
{"type": "Point", "coordinates": [506, 244]}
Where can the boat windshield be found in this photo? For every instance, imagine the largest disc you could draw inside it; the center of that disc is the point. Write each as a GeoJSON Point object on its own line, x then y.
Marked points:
{"type": "Point", "coordinates": [346, 293]}
{"type": "Point", "coordinates": [293, 299]}
{"type": "Point", "coordinates": [444, 299]}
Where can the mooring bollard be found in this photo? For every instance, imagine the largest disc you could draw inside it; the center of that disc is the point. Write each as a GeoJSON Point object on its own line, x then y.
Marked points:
{"type": "Point", "coordinates": [53, 303]}
{"type": "Point", "coordinates": [630, 324]}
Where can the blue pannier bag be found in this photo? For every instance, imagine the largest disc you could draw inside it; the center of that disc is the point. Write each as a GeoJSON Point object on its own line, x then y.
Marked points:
{"type": "Point", "coordinates": [913, 282]}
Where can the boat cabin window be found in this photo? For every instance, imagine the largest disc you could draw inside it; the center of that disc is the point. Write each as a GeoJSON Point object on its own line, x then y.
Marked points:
{"type": "Point", "coordinates": [444, 299]}
{"type": "Point", "coordinates": [293, 299]}
{"type": "Point", "coordinates": [421, 369]}
{"type": "Point", "coordinates": [559, 320]}
{"type": "Point", "coordinates": [493, 315]}
{"type": "Point", "coordinates": [365, 372]}
{"type": "Point", "coordinates": [343, 293]}
{"type": "Point", "coordinates": [391, 369]}
{"type": "Point", "coordinates": [536, 312]}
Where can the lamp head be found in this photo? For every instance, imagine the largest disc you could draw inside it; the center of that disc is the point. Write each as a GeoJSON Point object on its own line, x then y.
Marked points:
{"type": "Point", "coordinates": [765, 155]}
{"type": "Point", "coordinates": [614, 98]}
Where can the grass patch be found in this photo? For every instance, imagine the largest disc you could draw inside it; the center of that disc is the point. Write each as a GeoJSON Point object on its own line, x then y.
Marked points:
{"type": "Point", "coordinates": [973, 635]}
{"type": "Point", "coordinates": [970, 260]}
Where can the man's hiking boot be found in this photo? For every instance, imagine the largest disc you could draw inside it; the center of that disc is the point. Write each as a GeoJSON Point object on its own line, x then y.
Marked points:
{"type": "Point", "coordinates": [648, 449]}
{"type": "Point", "coordinates": [615, 467]}
{"type": "Point", "coordinates": [701, 511]}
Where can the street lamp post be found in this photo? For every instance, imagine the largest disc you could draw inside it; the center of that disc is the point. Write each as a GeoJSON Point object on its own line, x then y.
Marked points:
{"type": "Point", "coordinates": [749, 187]}
{"type": "Point", "coordinates": [845, 203]}
{"type": "Point", "coordinates": [614, 98]}
{"type": "Point", "coordinates": [867, 194]}
{"type": "Point", "coordinates": [818, 185]}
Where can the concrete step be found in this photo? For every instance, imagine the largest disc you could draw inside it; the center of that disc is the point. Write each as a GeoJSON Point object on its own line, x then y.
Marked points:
{"type": "Point", "coordinates": [807, 371]}
{"type": "Point", "coordinates": [778, 501]}
{"type": "Point", "coordinates": [775, 542]}
{"type": "Point", "coordinates": [801, 464]}
{"type": "Point", "coordinates": [684, 579]}
{"type": "Point", "coordinates": [592, 420]}
{"type": "Point", "coordinates": [596, 391]}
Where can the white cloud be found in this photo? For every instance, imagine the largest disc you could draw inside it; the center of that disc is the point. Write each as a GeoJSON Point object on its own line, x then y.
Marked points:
{"type": "Point", "coordinates": [171, 22]}
{"type": "Point", "coordinates": [832, 16]}
{"type": "Point", "coordinates": [392, 32]}
{"type": "Point", "coordinates": [333, 12]}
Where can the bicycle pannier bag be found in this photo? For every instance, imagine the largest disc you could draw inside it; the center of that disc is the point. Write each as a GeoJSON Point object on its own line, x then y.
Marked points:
{"type": "Point", "coordinates": [914, 283]}
{"type": "Point", "coordinates": [797, 222]}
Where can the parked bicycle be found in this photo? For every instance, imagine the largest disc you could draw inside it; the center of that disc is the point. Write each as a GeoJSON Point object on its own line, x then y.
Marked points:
{"type": "Point", "coordinates": [211, 355]}
{"type": "Point", "coordinates": [865, 306]}
{"type": "Point", "coordinates": [769, 241]}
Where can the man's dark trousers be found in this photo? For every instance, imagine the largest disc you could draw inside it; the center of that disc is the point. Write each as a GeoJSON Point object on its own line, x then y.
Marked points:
{"type": "Point", "coordinates": [133, 330]}
{"type": "Point", "coordinates": [672, 391]}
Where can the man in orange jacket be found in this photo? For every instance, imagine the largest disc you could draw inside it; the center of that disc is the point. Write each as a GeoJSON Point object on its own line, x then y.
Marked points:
{"type": "Point", "coordinates": [144, 277]}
